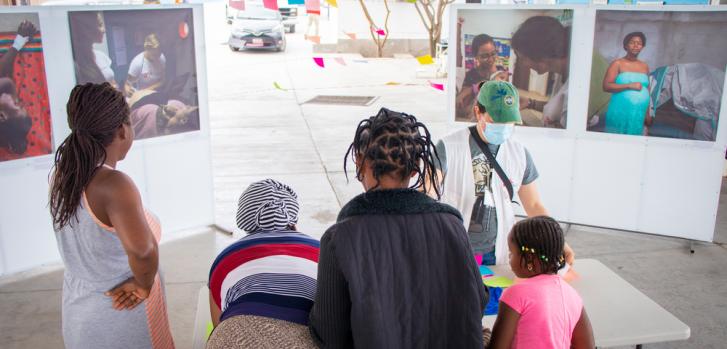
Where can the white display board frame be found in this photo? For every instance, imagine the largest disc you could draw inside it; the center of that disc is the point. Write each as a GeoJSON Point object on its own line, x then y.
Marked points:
{"type": "Point", "coordinates": [173, 173]}
{"type": "Point", "coordinates": [653, 185]}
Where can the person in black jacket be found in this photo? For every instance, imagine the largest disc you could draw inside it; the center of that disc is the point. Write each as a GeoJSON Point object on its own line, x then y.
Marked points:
{"type": "Point", "coordinates": [396, 270]}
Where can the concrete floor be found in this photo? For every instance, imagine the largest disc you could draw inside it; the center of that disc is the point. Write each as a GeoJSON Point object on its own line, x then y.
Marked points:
{"type": "Point", "coordinates": [304, 147]}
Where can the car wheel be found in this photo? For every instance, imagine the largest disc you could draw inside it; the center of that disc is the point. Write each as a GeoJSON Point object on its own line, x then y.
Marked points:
{"type": "Point", "coordinates": [233, 48]}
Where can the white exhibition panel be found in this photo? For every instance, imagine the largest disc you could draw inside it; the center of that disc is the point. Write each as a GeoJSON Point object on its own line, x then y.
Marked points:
{"type": "Point", "coordinates": [173, 173]}
{"type": "Point", "coordinates": [644, 184]}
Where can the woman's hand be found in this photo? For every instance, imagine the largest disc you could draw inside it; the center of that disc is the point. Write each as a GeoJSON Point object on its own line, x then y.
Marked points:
{"type": "Point", "coordinates": [128, 295]}
{"type": "Point", "coordinates": [570, 256]}
{"type": "Point", "coordinates": [636, 86]}
{"type": "Point", "coordinates": [27, 29]}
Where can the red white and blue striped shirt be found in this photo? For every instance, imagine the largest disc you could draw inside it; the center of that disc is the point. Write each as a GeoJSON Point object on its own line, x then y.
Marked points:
{"type": "Point", "coordinates": [270, 274]}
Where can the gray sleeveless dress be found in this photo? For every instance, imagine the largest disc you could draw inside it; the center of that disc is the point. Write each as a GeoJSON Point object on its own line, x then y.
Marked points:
{"type": "Point", "coordinates": [96, 262]}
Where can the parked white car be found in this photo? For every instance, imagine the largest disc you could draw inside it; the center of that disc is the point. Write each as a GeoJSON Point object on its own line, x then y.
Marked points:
{"type": "Point", "coordinates": [257, 28]}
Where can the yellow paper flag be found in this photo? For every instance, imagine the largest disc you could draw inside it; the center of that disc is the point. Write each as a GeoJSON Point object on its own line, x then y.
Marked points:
{"type": "Point", "coordinates": [277, 86]}
{"type": "Point", "coordinates": [392, 83]}
{"type": "Point", "coordinates": [426, 59]}
{"type": "Point", "coordinates": [333, 3]}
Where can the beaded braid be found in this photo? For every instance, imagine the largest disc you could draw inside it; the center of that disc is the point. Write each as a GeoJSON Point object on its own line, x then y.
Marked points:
{"type": "Point", "coordinates": [540, 238]}
{"type": "Point", "coordinates": [397, 144]}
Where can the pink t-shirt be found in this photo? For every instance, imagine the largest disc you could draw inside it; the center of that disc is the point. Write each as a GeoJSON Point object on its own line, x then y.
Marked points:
{"type": "Point", "coordinates": [549, 309]}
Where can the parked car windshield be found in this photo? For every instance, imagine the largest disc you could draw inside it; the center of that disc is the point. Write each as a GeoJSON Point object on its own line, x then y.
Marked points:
{"type": "Point", "coordinates": [257, 13]}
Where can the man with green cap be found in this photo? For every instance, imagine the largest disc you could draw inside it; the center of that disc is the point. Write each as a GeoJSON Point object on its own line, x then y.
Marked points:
{"type": "Point", "coordinates": [484, 168]}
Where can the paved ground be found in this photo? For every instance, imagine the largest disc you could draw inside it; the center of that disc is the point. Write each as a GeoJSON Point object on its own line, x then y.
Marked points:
{"type": "Point", "coordinates": [261, 132]}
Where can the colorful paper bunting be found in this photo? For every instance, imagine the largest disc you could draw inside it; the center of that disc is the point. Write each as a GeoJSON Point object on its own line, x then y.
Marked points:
{"type": "Point", "coordinates": [340, 60]}
{"type": "Point", "coordinates": [271, 4]}
{"type": "Point", "coordinates": [426, 59]}
{"type": "Point", "coordinates": [381, 32]}
{"type": "Point", "coordinates": [319, 61]}
{"type": "Point", "coordinates": [333, 3]}
{"type": "Point", "coordinates": [437, 86]}
{"type": "Point", "coordinates": [277, 86]}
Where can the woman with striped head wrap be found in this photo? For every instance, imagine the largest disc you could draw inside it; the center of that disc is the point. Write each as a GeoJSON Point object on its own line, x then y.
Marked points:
{"type": "Point", "coordinates": [262, 287]}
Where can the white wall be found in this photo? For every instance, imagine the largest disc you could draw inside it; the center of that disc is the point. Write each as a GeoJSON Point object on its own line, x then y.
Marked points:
{"type": "Point", "coordinates": [173, 173]}
{"type": "Point", "coordinates": [653, 185]}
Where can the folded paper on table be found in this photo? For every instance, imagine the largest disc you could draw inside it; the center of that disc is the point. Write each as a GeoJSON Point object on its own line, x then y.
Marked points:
{"type": "Point", "coordinates": [497, 281]}
{"type": "Point", "coordinates": [485, 271]}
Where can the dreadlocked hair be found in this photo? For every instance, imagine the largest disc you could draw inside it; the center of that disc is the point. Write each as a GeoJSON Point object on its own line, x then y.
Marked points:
{"type": "Point", "coordinates": [396, 144]}
{"type": "Point", "coordinates": [540, 238]}
{"type": "Point", "coordinates": [95, 113]}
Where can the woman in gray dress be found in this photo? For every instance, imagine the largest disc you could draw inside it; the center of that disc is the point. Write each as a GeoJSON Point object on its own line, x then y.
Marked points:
{"type": "Point", "coordinates": [113, 296]}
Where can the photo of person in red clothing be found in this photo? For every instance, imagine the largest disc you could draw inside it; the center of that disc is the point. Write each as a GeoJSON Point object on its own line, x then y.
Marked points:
{"type": "Point", "coordinates": [24, 112]}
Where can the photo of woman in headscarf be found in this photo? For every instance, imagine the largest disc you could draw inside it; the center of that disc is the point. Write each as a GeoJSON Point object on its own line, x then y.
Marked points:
{"type": "Point", "coordinates": [24, 110]}
{"type": "Point", "coordinates": [92, 65]}
{"type": "Point", "coordinates": [146, 70]}
{"type": "Point", "coordinates": [627, 78]}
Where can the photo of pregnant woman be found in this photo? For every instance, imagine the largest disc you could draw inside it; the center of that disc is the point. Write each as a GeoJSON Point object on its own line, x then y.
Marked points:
{"type": "Point", "coordinates": [654, 75]}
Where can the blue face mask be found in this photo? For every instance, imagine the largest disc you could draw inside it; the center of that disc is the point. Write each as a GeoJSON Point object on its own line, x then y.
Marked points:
{"type": "Point", "coordinates": [498, 133]}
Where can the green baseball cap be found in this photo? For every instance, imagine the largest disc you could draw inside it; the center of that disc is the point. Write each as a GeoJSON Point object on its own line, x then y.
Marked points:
{"type": "Point", "coordinates": [501, 101]}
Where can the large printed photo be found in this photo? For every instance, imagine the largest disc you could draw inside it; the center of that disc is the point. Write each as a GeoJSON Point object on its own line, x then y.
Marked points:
{"type": "Point", "coordinates": [658, 74]}
{"type": "Point", "coordinates": [25, 127]}
{"type": "Point", "coordinates": [529, 48]}
{"type": "Point", "coordinates": [147, 54]}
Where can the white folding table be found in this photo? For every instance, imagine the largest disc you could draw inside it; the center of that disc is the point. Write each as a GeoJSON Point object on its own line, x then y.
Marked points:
{"type": "Point", "coordinates": [619, 313]}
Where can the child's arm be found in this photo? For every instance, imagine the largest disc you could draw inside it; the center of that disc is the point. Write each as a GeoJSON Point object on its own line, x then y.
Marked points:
{"type": "Point", "coordinates": [582, 333]}
{"type": "Point", "coordinates": [503, 331]}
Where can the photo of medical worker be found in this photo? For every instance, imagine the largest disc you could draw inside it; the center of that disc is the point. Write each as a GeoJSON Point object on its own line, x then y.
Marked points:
{"type": "Point", "coordinates": [529, 48]}
{"type": "Point", "coordinates": [658, 74]}
{"type": "Point", "coordinates": [147, 54]}
{"type": "Point", "coordinates": [25, 127]}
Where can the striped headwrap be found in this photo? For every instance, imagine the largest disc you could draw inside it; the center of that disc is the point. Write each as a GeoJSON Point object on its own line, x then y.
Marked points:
{"type": "Point", "coordinates": [267, 205]}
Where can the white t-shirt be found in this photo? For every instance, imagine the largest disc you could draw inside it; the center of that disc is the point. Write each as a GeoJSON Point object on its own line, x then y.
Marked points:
{"type": "Point", "coordinates": [146, 72]}
{"type": "Point", "coordinates": [104, 63]}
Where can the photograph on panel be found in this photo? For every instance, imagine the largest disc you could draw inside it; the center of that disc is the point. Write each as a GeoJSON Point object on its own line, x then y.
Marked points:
{"type": "Point", "coordinates": [658, 74]}
{"type": "Point", "coordinates": [25, 126]}
{"type": "Point", "coordinates": [147, 54]}
{"type": "Point", "coordinates": [529, 48]}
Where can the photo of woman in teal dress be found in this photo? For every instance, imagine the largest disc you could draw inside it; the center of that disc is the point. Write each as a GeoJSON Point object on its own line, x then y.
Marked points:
{"type": "Point", "coordinates": [627, 78]}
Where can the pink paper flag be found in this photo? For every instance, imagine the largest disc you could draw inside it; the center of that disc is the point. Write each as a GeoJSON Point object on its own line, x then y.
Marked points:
{"type": "Point", "coordinates": [271, 4]}
{"type": "Point", "coordinates": [380, 32]}
{"type": "Point", "coordinates": [437, 86]}
{"type": "Point", "coordinates": [478, 259]}
{"type": "Point", "coordinates": [313, 7]}
{"type": "Point", "coordinates": [314, 39]}
{"type": "Point", "coordinates": [319, 61]}
{"type": "Point", "coordinates": [351, 35]}
{"type": "Point", "coordinates": [340, 60]}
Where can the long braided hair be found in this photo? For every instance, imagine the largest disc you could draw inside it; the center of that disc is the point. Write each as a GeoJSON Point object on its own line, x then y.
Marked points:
{"type": "Point", "coordinates": [95, 113]}
{"type": "Point", "coordinates": [540, 238]}
{"type": "Point", "coordinates": [397, 144]}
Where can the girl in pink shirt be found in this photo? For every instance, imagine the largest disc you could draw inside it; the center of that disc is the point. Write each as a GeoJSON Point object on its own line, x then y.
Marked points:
{"type": "Point", "coordinates": [541, 310]}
